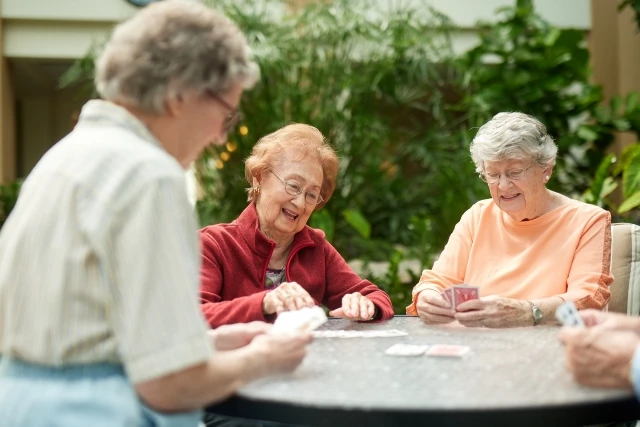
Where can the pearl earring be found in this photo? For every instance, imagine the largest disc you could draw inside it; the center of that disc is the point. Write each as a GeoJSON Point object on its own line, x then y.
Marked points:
{"type": "Point", "coordinates": [546, 178]}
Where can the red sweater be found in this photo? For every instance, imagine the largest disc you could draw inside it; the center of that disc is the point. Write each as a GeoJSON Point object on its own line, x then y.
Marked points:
{"type": "Point", "coordinates": [234, 263]}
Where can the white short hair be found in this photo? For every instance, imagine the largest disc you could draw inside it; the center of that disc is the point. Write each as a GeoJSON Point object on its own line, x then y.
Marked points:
{"type": "Point", "coordinates": [513, 136]}
{"type": "Point", "coordinates": [170, 48]}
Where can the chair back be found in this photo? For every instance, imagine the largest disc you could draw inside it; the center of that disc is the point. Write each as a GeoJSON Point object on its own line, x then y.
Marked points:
{"type": "Point", "coordinates": [625, 266]}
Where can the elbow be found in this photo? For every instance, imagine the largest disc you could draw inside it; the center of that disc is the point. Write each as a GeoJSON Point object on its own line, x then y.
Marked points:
{"type": "Point", "coordinates": [172, 393]}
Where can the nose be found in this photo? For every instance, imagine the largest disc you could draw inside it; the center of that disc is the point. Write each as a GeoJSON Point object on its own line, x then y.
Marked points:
{"type": "Point", "coordinates": [504, 182]}
{"type": "Point", "coordinates": [294, 199]}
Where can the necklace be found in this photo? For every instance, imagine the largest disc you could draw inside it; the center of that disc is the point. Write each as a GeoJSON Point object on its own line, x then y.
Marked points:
{"type": "Point", "coordinates": [273, 276]}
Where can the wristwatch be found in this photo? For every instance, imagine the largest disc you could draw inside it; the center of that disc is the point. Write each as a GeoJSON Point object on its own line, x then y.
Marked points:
{"type": "Point", "coordinates": [536, 313]}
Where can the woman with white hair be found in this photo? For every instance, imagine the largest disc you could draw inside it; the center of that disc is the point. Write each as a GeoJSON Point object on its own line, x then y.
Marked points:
{"type": "Point", "coordinates": [528, 249]}
{"type": "Point", "coordinates": [99, 260]}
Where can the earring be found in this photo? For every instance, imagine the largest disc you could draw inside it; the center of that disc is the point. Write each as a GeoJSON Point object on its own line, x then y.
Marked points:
{"type": "Point", "coordinates": [256, 190]}
{"type": "Point", "coordinates": [546, 178]}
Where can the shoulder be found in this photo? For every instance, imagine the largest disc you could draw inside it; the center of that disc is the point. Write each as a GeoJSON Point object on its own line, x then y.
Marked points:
{"type": "Point", "coordinates": [480, 209]}
{"type": "Point", "coordinates": [218, 233]}
{"type": "Point", "coordinates": [584, 211]}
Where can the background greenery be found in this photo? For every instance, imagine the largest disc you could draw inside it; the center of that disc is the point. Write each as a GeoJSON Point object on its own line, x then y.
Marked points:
{"type": "Point", "coordinates": [401, 108]}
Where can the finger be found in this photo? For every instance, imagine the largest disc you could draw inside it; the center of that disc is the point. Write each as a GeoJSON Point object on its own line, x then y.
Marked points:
{"type": "Point", "coordinates": [339, 312]}
{"type": "Point", "coordinates": [431, 309]}
{"type": "Point", "coordinates": [354, 309]}
{"type": "Point", "coordinates": [346, 305]}
{"type": "Point", "coordinates": [474, 304]}
{"type": "Point", "coordinates": [298, 302]}
{"type": "Point", "coordinates": [434, 299]}
{"type": "Point", "coordinates": [290, 303]}
{"type": "Point", "coordinates": [568, 335]}
{"type": "Point", "coordinates": [472, 316]}
{"type": "Point", "coordinates": [436, 318]}
{"type": "Point", "coordinates": [370, 309]}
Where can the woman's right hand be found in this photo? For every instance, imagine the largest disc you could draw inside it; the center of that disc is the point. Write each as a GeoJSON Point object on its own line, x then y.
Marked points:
{"type": "Point", "coordinates": [286, 297]}
{"type": "Point", "coordinates": [609, 320]}
{"type": "Point", "coordinates": [433, 308]}
{"type": "Point", "coordinates": [279, 354]}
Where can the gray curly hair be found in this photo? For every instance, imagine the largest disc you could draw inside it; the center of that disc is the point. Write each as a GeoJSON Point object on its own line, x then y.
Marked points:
{"type": "Point", "coordinates": [170, 48]}
{"type": "Point", "coordinates": [513, 136]}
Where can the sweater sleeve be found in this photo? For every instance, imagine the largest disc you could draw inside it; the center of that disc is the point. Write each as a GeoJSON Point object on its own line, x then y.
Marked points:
{"type": "Point", "coordinates": [590, 274]}
{"type": "Point", "coordinates": [218, 312]}
{"type": "Point", "coordinates": [342, 280]}
{"type": "Point", "coordinates": [451, 266]}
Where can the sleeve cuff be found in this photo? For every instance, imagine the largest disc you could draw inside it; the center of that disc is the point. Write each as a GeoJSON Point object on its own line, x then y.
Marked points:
{"type": "Point", "coordinates": [174, 359]}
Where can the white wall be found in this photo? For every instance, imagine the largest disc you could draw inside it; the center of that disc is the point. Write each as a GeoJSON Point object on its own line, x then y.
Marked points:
{"type": "Point", "coordinates": [67, 28]}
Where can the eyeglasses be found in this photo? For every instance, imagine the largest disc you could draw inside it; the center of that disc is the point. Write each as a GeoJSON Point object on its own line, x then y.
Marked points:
{"type": "Point", "coordinates": [292, 189]}
{"type": "Point", "coordinates": [234, 115]}
{"type": "Point", "coordinates": [513, 175]}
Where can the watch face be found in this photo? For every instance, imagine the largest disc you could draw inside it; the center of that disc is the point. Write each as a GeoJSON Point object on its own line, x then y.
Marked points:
{"type": "Point", "coordinates": [537, 314]}
{"type": "Point", "coordinates": [141, 3]}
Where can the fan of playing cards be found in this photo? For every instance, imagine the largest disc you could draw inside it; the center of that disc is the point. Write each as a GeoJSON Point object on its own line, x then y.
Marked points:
{"type": "Point", "coordinates": [304, 320]}
{"type": "Point", "coordinates": [568, 315]}
{"type": "Point", "coordinates": [458, 294]}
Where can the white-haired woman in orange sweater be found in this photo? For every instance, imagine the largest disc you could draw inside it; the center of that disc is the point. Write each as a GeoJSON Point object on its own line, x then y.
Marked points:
{"type": "Point", "coordinates": [528, 249]}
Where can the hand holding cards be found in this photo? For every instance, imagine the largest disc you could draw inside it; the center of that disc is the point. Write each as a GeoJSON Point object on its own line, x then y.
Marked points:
{"type": "Point", "coordinates": [458, 294]}
{"type": "Point", "coordinates": [568, 315]}
{"type": "Point", "coordinates": [306, 319]}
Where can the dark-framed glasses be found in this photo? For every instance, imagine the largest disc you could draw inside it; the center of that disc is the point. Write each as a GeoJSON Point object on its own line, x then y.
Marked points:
{"type": "Point", "coordinates": [311, 197]}
{"type": "Point", "coordinates": [234, 115]}
{"type": "Point", "coordinates": [512, 175]}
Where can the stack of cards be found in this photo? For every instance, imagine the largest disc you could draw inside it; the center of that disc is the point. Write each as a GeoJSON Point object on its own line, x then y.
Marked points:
{"type": "Point", "coordinates": [304, 320]}
{"type": "Point", "coordinates": [458, 294]}
{"type": "Point", "coordinates": [568, 315]}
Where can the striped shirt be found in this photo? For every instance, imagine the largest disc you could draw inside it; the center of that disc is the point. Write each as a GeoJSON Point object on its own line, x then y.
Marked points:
{"type": "Point", "coordinates": [99, 260]}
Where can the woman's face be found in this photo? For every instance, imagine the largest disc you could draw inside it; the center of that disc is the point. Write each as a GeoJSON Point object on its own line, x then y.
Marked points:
{"type": "Point", "coordinates": [281, 214]}
{"type": "Point", "coordinates": [204, 118]}
{"type": "Point", "coordinates": [522, 198]}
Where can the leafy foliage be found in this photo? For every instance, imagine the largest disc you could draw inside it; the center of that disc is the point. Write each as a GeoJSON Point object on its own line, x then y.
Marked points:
{"type": "Point", "coordinates": [400, 108]}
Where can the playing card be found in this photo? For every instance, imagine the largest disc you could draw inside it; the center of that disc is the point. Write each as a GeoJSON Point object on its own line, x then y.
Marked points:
{"type": "Point", "coordinates": [303, 320]}
{"type": "Point", "coordinates": [462, 293]}
{"type": "Point", "coordinates": [406, 350]}
{"type": "Point", "coordinates": [447, 294]}
{"type": "Point", "coordinates": [568, 315]}
{"type": "Point", "coordinates": [359, 334]}
{"type": "Point", "coordinates": [446, 350]}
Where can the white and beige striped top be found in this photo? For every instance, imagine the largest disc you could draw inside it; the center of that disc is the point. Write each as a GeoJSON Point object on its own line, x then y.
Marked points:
{"type": "Point", "coordinates": [99, 261]}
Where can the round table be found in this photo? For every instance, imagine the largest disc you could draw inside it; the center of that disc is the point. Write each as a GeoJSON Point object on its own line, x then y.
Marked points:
{"type": "Point", "coordinates": [509, 377]}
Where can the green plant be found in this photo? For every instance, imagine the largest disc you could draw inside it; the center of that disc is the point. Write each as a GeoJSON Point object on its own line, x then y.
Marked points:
{"type": "Point", "coordinates": [400, 109]}
{"type": "Point", "coordinates": [8, 197]}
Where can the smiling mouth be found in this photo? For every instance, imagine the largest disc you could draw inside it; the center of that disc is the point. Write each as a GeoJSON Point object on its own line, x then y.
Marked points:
{"type": "Point", "coordinates": [510, 197]}
{"type": "Point", "coordinates": [289, 214]}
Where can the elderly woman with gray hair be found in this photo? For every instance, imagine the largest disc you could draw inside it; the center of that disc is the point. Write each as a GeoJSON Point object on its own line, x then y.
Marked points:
{"type": "Point", "coordinates": [99, 318]}
{"type": "Point", "coordinates": [528, 249]}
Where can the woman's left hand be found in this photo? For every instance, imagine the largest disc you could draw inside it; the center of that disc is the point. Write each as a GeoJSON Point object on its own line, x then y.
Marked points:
{"type": "Point", "coordinates": [355, 306]}
{"type": "Point", "coordinates": [494, 312]}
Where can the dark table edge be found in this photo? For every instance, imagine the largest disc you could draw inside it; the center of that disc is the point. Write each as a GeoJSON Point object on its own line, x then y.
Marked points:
{"type": "Point", "coordinates": [560, 415]}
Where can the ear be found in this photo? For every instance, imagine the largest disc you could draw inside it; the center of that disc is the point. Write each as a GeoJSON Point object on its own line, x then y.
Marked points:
{"type": "Point", "coordinates": [255, 182]}
{"type": "Point", "coordinates": [173, 105]}
{"type": "Point", "coordinates": [548, 171]}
